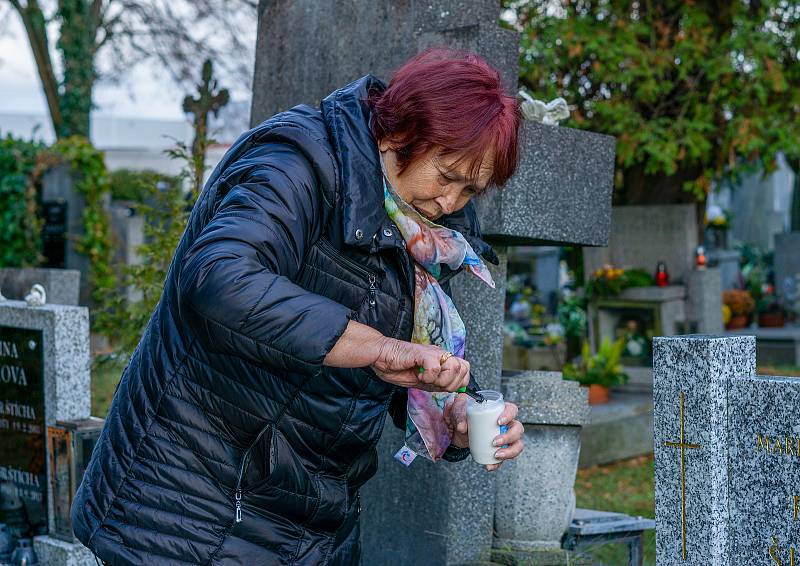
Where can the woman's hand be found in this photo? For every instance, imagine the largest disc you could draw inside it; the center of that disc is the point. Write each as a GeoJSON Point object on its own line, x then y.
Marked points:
{"type": "Point", "coordinates": [510, 444]}
{"type": "Point", "coordinates": [396, 361]}
{"type": "Point", "coordinates": [399, 363]}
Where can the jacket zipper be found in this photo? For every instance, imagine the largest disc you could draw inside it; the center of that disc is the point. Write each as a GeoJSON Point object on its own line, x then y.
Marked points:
{"type": "Point", "coordinates": [343, 260]}
{"type": "Point", "coordinates": [347, 263]}
{"type": "Point", "coordinates": [237, 498]}
{"type": "Point", "coordinates": [372, 301]}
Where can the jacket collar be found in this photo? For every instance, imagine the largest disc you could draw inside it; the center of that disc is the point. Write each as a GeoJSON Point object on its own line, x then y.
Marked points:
{"type": "Point", "coordinates": [365, 222]}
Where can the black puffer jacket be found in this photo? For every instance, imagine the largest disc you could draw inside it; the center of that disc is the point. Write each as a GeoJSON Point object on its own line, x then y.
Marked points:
{"type": "Point", "coordinates": [228, 441]}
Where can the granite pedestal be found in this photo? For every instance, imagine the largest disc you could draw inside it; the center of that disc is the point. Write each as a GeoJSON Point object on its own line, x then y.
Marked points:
{"type": "Point", "coordinates": [535, 493]}
{"type": "Point", "coordinates": [704, 300]}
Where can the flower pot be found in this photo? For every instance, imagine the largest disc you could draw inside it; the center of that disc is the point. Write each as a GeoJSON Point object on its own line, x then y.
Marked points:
{"type": "Point", "coordinates": [737, 321]}
{"type": "Point", "coordinates": [598, 394]}
{"type": "Point", "coordinates": [771, 319]}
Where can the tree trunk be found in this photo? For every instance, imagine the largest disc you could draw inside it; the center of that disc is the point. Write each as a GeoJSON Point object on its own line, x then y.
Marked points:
{"type": "Point", "coordinates": [77, 46]}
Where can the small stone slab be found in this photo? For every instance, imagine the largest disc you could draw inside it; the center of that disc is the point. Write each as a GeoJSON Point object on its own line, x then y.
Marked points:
{"type": "Point", "coordinates": [61, 285]}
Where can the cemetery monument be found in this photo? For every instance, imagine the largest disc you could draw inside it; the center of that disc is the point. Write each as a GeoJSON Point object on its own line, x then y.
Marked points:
{"type": "Point", "coordinates": [727, 445]}
{"type": "Point", "coordinates": [560, 194]}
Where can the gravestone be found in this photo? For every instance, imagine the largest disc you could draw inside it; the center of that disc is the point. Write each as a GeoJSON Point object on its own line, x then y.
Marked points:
{"type": "Point", "coordinates": [44, 378]}
{"type": "Point", "coordinates": [787, 267]}
{"type": "Point", "coordinates": [727, 261]}
{"type": "Point", "coordinates": [127, 230]}
{"type": "Point", "coordinates": [641, 236]}
{"type": "Point", "coordinates": [439, 514]}
{"type": "Point", "coordinates": [727, 449]}
{"type": "Point", "coordinates": [63, 225]}
{"type": "Point", "coordinates": [62, 286]}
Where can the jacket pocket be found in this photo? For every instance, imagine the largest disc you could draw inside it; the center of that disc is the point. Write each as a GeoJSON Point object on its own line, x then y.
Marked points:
{"type": "Point", "coordinates": [272, 480]}
{"type": "Point", "coordinates": [329, 272]}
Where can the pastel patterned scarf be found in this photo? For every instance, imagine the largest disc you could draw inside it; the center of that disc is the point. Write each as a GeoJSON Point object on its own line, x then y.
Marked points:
{"type": "Point", "coordinates": [436, 320]}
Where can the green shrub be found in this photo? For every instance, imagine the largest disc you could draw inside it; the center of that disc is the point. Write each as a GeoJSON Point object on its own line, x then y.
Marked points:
{"type": "Point", "coordinates": [20, 222]}
{"type": "Point", "coordinates": [134, 186]}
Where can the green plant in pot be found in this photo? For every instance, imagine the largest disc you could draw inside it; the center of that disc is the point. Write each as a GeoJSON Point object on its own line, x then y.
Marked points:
{"type": "Point", "coordinates": [599, 372]}
{"type": "Point", "coordinates": [770, 311]}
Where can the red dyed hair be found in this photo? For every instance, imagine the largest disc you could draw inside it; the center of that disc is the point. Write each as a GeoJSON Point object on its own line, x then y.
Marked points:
{"type": "Point", "coordinates": [452, 101]}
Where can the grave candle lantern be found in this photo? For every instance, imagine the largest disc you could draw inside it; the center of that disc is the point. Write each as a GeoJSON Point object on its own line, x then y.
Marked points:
{"type": "Point", "coordinates": [70, 444]}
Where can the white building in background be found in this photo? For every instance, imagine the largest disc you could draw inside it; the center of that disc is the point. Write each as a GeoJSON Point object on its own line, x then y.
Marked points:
{"type": "Point", "coordinates": [137, 143]}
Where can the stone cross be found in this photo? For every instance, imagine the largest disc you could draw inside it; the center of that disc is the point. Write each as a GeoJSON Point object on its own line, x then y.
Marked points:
{"type": "Point", "coordinates": [736, 499]}
{"type": "Point", "coordinates": [439, 514]}
{"type": "Point", "coordinates": [209, 99]}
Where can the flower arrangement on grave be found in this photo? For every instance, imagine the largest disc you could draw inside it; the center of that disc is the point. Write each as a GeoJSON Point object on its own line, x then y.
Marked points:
{"type": "Point", "coordinates": [741, 305]}
{"type": "Point", "coordinates": [609, 281]}
{"type": "Point", "coordinates": [600, 371]}
{"type": "Point", "coordinates": [758, 275]}
{"type": "Point", "coordinates": [716, 218]}
{"type": "Point", "coordinates": [526, 316]}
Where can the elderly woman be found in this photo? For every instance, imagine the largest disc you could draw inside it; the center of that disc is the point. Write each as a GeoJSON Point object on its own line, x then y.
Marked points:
{"type": "Point", "coordinates": [307, 298]}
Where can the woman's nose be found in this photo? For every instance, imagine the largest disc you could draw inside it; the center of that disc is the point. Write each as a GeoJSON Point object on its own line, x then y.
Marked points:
{"type": "Point", "coordinates": [447, 203]}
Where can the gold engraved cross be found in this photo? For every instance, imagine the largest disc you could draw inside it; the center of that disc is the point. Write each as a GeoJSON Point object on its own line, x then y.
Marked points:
{"type": "Point", "coordinates": [683, 446]}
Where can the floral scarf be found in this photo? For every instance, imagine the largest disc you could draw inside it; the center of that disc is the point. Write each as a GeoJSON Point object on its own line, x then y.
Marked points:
{"type": "Point", "coordinates": [436, 320]}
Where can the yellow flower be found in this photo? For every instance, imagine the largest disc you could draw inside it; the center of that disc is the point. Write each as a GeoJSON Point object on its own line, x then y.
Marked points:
{"type": "Point", "coordinates": [726, 314]}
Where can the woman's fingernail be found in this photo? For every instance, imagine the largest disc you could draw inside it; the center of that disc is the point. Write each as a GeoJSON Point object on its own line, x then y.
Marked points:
{"type": "Point", "coordinates": [497, 441]}
{"type": "Point", "coordinates": [499, 454]}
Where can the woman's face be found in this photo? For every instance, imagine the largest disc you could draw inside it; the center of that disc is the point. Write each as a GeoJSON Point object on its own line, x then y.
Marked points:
{"type": "Point", "coordinates": [434, 184]}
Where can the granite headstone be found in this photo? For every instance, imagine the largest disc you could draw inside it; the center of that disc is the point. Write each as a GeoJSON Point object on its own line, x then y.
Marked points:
{"type": "Point", "coordinates": [641, 236]}
{"type": "Point", "coordinates": [45, 374]}
{"type": "Point", "coordinates": [727, 452]}
{"type": "Point", "coordinates": [63, 225]}
{"type": "Point", "coordinates": [787, 267]}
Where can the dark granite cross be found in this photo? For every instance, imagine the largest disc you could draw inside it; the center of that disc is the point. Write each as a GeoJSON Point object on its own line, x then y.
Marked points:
{"type": "Point", "coordinates": [683, 446]}
{"type": "Point", "coordinates": [560, 194]}
{"type": "Point", "coordinates": [209, 100]}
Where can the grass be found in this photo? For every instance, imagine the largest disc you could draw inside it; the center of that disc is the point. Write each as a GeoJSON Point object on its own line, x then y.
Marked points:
{"type": "Point", "coordinates": [624, 487]}
{"type": "Point", "coordinates": [106, 372]}
{"type": "Point", "coordinates": [789, 371]}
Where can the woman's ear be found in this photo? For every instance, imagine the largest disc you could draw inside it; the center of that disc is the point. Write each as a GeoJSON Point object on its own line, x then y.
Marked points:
{"type": "Point", "coordinates": [386, 144]}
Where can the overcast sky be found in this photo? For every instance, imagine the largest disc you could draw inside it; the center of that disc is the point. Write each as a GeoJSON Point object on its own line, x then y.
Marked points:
{"type": "Point", "coordinates": [141, 94]}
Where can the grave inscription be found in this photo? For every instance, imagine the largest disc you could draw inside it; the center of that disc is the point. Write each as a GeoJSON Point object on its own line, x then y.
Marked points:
{"type": "Point", "coordinates": [22, 438]}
